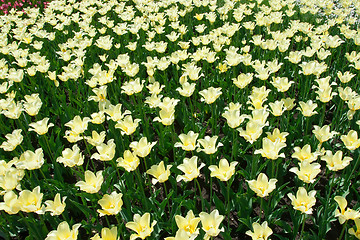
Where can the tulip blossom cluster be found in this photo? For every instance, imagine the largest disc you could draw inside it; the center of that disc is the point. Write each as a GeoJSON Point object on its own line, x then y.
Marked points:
{"type": "Point", "coordinates": [179, 119]}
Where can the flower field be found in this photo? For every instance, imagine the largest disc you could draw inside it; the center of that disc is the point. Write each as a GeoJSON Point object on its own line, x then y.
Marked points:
{"type": "Point", "coordinates": [180, 120]}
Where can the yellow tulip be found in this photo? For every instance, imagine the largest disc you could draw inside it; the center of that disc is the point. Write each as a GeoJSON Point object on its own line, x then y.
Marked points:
{"type": "Point", "coordinates": [63, 232]}
{"type": "Point", "coordinates": [209, 145]}
{"type": "Point", "coordinates": [336, 162]}
{"type": "Point", "coordinates": [252, 132]}
{"type": "Point", "coordinates": [210, 95]}
{"type": "Point", "coordinates": [225, 170]}
{"type": "Point", "coordinates": [262, 186]}
{"type": "Point", "coordinates": [11, 204]}
{"type": "Point", "coordinates": [303, 201]}
{"type": "Point", "coordinates": [106, 152]}
{"type": "Point", "coordinates": [260, 232]}
{"type": "Point", "coordinates": [271, 149]}
{"type": "Point", "coordinates": [115, 112]}
{"type": "Point", "coordinates": [188, 223]}
{"type": "Point", "coordinates": [211, 223]}
{"type": "Point", "coordinates": [133, 86]}
{"type": "Point", "coordinates": [159, 172]}
{"type": "Point", "coordinates": [142, 148]}
{"type": "Point", "coordinates": [282, 84]}
{"type": "Point", "coordinates": [32, 104]}
{"type": "Point", "coordinates": [307, 109]}
{"type": "Point", "coordinates": [305, 154]}
{"type": "Point", "coordinates": [277, 135]}
{"type": "Point", "coordinates": [187, 89]}
{"type": "Point", "coordinates": [57, 206]}
{"type": "Point", "coordinates": [130, 161]}
{"type": "Point", "coordinates": [71, 157]}
{"type": "Point", "coordinates": [111, 204]}
{"type": "Point", "coordinates": [41, 127]}
{"type": "Point", "coordinates": [106, 234]}
{"type": "Point", "coordinates": [323, 134]}
{"type": "Point", "coordinates": [181, 234]}
{"type": "Point", "coordinates": [307, 172]}
{"type": "Point", "coordinates": [351, 140]}
{"type": "Point", "coordinates": [277, 108]}
{"type": "Point", "coordinates": [188, 141]}
{"type": "Point", "coordinates": [30, 160]}
{"type": "Point", "coordinates": [127, 125]}
{"type": "Point", "coordinates": [190, 168]}
{"type": "Point", "coordinates": [167, 117]}
{"type": "Point", "coordinates": [30, 201]}
{"type": "Point", "coordinates": [13, 140]}
{"type": "Point", "coordinates": [141, 225]}
{"type": "Point", "coordinates": [345, 213]}
{"type": "Point", "coordinates": [78, 125]}
{"type": "Point", "coordinates": [92, 183]}
{"type": "Point", "coordinates": [96, 139]}
{"type": "Point", "coordinates": [352, 231]}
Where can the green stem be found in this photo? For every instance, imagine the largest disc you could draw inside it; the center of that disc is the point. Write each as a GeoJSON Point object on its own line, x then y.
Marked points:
{"type": "Point", "coordinates": [343, 230]}
{"type": "Point", "coordinates": [261, 208]}
{"type": "Point", "coordinates": [49, 149]}
{"type": "Point", "coordinates": [213, 118]}
{"type": "Point", "coordinates": [211, 180]}
{"type": "Point", "coordinates": [34, 230]}
{"type": "Point", "coordinates": [141, 187]}
{"type": "Point", "coordinates": [273, 168]}
{"type": "Point", "coordinates": [325, 216]}
{"type": "Point", "coordinates": [88, 150]}
{"type": "Point", "coordinates": [200, 195]}
{"type": "Point", "coordinates": [303, 226]}
{"type": "Point", "coordinates": [166, 194]}
{"type": "Point", "coordinates": [228, 203]}
{"type": "Point", "coordinates": [233, 146]}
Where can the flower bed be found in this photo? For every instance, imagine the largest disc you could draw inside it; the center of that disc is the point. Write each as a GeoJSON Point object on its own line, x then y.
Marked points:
{"type": "Point", "coordinates": [180, 120]}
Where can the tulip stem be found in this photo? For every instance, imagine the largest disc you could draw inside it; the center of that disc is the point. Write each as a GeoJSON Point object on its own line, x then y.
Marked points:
{"type": "Point", "coordinates": [343, 230]}
{"type": "Point", "coordinates": [233, 146]}
{"type": "Point", "coordinates": [200, 195]}
{"type": "Point", "coordinates": [210, 199]}
{"type": "Point", "coordinates": [49, 149]}
{"type": "Point", "coordinates": [88, 150]}
{"type": "Point", "coordinates": [166, 194]}
{"type": "Point", "coordinates": [141, 186]}
{"type": "Point", "coordinates": [228, 204]}
{"type": "Point", "coordinates": [303, 226]}
{"type": "Point", "coordinates": [261, 207]}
